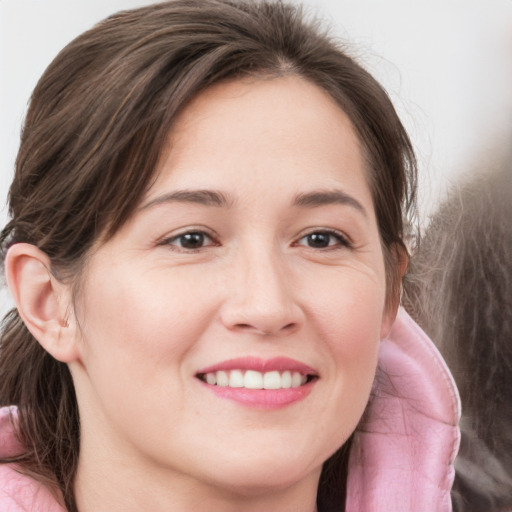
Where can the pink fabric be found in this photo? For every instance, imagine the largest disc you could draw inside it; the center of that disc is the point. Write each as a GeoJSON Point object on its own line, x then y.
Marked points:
{"type": "Point", "coordinates": [404, 448]}
{"type": "Point", "coordinates": [19, 493]}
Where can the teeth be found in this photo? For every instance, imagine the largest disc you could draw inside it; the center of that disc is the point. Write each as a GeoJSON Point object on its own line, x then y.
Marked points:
{"type": "Point", "coordinates": [222, 379]}
{"type": "Point", "coordinates": [286, 380]}
{"type": "Point", "coordinates": [251, 379]}
{"type": "Point", "coordinates": [236, 379]}
{"type": "Point", "coordinates": [272, 380]}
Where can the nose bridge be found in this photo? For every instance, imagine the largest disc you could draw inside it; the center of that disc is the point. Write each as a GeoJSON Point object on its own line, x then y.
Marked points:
{"type": "Point", "coordinates": [262, 297]}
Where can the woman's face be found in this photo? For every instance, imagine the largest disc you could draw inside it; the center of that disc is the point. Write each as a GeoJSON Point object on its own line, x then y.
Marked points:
{"type": "Point", "coordinates": [253, 261]}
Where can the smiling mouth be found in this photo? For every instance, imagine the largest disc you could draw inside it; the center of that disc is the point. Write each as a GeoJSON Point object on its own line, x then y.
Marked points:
{"type": "Point", "coordinates": [251, 379]}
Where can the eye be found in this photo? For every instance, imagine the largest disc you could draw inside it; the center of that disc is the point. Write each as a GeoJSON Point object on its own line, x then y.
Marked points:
{"type": "Point", "coordinates": [190, 240]}
{"type": "Point", "coordinates": [324, 239]}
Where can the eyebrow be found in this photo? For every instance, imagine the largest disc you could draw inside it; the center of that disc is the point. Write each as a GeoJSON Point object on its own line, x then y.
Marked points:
{"type": "Point", "coordinates": [204, 197]}
{"type": "Point", "coordinates": [322, 198]}
{"type": "Point", "coordinates": [218, 199]}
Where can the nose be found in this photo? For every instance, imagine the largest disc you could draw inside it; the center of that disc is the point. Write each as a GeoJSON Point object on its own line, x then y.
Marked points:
{"type": "Point", "coordinates": [261, 297]}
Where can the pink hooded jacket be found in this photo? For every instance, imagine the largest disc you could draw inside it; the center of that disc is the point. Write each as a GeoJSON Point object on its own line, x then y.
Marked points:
{"type": "Point", "coordinates": [403, 450]}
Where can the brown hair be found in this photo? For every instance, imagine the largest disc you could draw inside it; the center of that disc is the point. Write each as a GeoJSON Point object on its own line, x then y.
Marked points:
{"type": "Point", "coordinates": [93, 134]}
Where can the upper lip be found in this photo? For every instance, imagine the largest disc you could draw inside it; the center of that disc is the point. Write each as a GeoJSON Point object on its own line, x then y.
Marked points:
{"type": "Point", "coordinates": [280, 364]}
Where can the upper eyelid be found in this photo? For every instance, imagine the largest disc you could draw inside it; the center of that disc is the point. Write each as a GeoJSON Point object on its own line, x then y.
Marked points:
{"type": "Point", "coordinates": [175, 233]}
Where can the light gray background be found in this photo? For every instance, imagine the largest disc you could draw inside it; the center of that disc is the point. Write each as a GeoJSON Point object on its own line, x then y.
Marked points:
{"type": "Point", "coordinates": [447, 64]}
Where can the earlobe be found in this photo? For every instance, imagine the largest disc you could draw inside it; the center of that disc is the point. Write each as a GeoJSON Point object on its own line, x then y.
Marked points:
{"type": "Point", "coordinates": [43, 302]}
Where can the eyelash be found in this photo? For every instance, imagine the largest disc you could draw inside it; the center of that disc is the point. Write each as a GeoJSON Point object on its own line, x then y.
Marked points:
{"type": "Point", "coordinates": [342, 242]}
{"type": "Point", "coordinates": [171, 241]}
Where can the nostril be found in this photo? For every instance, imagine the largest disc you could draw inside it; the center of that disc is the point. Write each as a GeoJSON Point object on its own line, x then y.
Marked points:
{"type": "Point", "coordinates": [266, 332]}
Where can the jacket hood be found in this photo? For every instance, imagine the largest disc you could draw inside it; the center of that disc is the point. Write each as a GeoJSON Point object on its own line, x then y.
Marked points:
{"type": "Point", "coordinates": [405, 445]}
{"type": "Point", "coordinates": [19, 493]}
{"type": "Point", "coordinates": [403, 449]}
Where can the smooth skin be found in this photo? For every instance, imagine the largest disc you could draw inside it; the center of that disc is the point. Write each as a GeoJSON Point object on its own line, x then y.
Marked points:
{"type": "Point", "coordinates": [281, 257]}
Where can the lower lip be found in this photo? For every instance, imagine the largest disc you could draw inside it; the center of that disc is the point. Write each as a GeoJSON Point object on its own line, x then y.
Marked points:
{"type": "Point", "coordinates": [263, 398]}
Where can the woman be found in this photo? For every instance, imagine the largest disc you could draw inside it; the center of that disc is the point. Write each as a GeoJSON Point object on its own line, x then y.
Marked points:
{"type": "Point", "coordinates": [206, 248]}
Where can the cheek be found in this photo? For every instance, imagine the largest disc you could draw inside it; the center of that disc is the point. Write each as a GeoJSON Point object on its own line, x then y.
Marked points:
{"type": "Point", "coordinates": [353, 344]}
{"type": "Point", "coordinates": [137, 336]}
{"type": "Point", "coordinates": [347, 308]}
{"type": "Point", "coordinates": [358, 329]}
{"type": "Point", "coordinates": [132, 327]}
{"type": "Point", "coordinates": [350, 323]}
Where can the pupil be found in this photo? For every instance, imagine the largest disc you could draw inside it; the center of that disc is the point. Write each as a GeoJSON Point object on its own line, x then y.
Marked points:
{"type": "Point", "coordinates": [192, 240]}
{"type": "Point", "coordinates": [318, 240]}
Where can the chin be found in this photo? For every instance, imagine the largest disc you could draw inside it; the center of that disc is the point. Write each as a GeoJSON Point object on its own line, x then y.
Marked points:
{"type": "Point", "coordinates": [255, 483]}
{"type": "Point", "coordinates": [273, 473]}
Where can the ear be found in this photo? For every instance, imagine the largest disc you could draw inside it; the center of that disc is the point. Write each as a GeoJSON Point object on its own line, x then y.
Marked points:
{"type": "Point", "coordinates": [43, 302]}
{"type": "Point", "coordinates": [400, 262]}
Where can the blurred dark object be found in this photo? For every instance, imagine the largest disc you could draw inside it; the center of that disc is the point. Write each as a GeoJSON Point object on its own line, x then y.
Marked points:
{"type": "Point", "coordinates": [459, 289]}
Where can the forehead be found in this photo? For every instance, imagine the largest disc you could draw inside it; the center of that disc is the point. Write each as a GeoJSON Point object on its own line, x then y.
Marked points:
{"type": "Point", "coordinates": [280, 132]}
